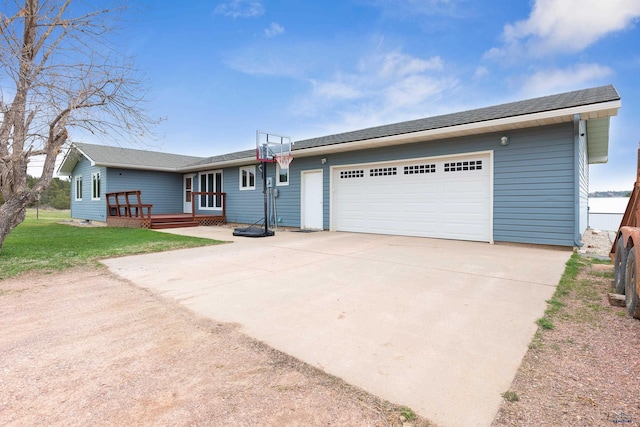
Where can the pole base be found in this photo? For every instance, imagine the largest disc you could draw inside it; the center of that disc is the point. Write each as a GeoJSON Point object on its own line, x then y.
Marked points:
{"type": "Point", "coordinates": [253, 232]}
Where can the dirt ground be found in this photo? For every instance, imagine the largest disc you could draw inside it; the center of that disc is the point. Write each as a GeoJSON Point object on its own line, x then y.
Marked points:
{"type": "Point", "coordinates": [83, 347]}
{"type": "Point", "coordinates": [586, 370]}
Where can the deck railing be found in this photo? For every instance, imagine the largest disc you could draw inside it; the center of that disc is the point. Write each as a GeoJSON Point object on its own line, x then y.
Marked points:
{"type": "Point", "coordinates": [127, 204]}
{"type": "Point", "coordinates": [222, 200]}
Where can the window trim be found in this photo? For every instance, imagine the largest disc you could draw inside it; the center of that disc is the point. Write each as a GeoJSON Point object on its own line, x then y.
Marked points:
{"type": "Point", "coordinates": [279, 174]}
{"type": "Point", "coordinates": [95, 185]}
{"type": "Point", "coordinates": [250, 170]}
{"type": "Point", "coordinates": [78, 188]}
{"type": "Point", "coordinates": [216, 207]}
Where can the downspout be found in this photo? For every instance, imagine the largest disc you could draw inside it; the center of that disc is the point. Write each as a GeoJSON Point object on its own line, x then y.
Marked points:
{"type": "Point", "coordinates": [577, 237]}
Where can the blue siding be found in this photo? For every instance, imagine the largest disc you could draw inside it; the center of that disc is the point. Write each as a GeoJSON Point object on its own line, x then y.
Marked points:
{"type": "Point", "coordinates": [247, 206]}
{"type": "Point", "coordinates": [534, 182]}
{"type": "Point", "coordinates": [95, 210]}
{"type": "Point", "coordinates": [162, 189]}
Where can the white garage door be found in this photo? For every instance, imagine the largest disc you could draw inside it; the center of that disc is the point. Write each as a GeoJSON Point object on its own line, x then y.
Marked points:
{"type": "Point", "coordinates": [446, 198]}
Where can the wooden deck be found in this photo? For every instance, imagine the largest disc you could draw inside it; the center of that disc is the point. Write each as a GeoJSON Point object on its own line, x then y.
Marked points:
{"type": "Point", "coordinates": [160, 221]}
{"type": "Point", "coordinates": [125, 209]}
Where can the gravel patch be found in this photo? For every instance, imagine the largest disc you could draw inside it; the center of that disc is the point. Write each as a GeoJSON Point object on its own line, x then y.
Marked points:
{"type": "Point", "coordinates": [586, 370]}
{"type": "Point", "coordinates": [597, 242]}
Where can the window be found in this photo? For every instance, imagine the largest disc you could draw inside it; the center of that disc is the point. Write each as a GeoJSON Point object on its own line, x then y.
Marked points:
{"type": "Point", "coordinates": [413, 169]}
{"type": "Point", "coordinates": [383, 171]}
{"type": "Point", "coordinates": [352, 174]}
{"type": "Point", "coordinates": [78, 182]}
{"type": "Point", "coordinates": [282, 175]}
{"type": "Point", "coordinates": [95, 186]}
{"type": "Point", "coordinates": [211, 182]}
{"type": "Point", "coordinates": [463, 166]}
{"type": "Point", "coordinates": [248, 178]}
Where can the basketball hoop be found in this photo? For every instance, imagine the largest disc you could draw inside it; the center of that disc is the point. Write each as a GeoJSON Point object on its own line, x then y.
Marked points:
{"type": "Point", "coordinates": [269, 146]}
{"type": "Point", "coordinates": [284, 160]}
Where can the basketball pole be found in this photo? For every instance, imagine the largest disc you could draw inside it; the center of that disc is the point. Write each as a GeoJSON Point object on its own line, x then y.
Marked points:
{"type": "Point", "coordinates": [264, 194]}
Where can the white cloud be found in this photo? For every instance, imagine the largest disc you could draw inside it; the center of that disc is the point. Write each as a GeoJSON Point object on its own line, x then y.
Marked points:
{"type": "Point", "coordinates": [240, 8]}
{"type": "Point", "coordinates": [415, 90]}
{"type": "Point", "coordinates": [480, 72]}
{"type": "Point", "coordinates": [566, 26]}
{"type": "Point", "coordinates": [274, 30]}
{"type": "Point", "coordinates": [399, 64]}
{"type": "Point", "coordinates": [558, 80]}
{"type": "Point", "coordinates": [253, 63]}
{"type": "Point", "coordinates": [417, 7]}
{"type": "Point", "coordinates": [335, 90]}
{"type": "Point", "coordinates": [387, 87]}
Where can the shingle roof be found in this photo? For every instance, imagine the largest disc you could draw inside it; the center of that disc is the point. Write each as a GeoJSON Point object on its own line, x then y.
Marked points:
{"type": "Point", "coordinates": [238, 155]}
{"type": "Point", "coordinates": [537, 105]}
{"type": "Point", "coordinates": [108, 155]}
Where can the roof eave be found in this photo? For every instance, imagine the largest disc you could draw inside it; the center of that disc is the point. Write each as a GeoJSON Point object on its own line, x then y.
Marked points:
{"type": "Point", "coordinates": [136, 167]}
{"type": "Point", "coordinates": [598, 140]}
{"type": "Point", "coordinates": [69, 161]}
{"type": "Point", "coordinates": [586, 112]}
{"type": "Point", "coordinates": [218, 165]}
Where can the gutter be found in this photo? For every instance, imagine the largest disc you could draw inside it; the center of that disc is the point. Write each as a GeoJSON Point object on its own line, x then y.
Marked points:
{"type": "Point", "coordinates": [577, 237]}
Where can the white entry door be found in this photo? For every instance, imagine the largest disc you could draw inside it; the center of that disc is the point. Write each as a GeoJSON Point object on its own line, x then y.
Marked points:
{"type": "Point", "coordinates": [186, 197]}
{"type": "Point", "coordinates": [312, 205]}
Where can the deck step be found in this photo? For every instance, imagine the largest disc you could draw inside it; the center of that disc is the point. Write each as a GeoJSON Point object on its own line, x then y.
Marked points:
{"type": "Point", "coordinates": [173, 224]}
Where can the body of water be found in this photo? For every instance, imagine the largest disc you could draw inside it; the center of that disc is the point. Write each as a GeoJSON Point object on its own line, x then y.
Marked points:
{"type": "Point", "coordinates": [608, 204]}
{"type": "Point", "coordinates": [605, 213]}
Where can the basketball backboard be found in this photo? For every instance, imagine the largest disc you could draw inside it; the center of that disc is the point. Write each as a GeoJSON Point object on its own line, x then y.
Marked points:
{"type": "Point", "coordinates": [269, 146]}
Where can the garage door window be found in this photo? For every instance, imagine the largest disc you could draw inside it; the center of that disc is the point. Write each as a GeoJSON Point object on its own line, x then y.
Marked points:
{"type": "Point", "coordinates": [471, 165]}
{"type": "Point", "coordinates": [413, 169]}
{"type": "Point", "coordinates": [352, 174]}
{"type": "Point", "coordinates": [383, 171]}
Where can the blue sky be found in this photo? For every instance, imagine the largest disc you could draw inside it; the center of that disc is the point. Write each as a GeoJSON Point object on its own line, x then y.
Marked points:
{"type": "Point", "coordinates": [219, 71]}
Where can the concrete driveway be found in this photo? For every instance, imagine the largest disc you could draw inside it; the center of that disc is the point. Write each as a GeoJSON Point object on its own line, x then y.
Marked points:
{"type": "Point", "coordinates": [440, 326]}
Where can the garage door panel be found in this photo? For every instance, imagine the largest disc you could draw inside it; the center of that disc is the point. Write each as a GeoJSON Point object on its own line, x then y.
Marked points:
{"type": "Point", "coordinates": [416, 198]}
{"type": "Point", "coordinates": [456, 207]}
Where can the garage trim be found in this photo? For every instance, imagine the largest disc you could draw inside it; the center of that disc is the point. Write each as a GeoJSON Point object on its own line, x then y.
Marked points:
{"type": "Point", "coordinates": [489, 153]}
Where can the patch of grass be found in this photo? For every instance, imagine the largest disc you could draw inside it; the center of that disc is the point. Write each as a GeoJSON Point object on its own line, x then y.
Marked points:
{"type": "Point", "coordinates": [43, 244]}
{"type": "Point", "coordinates": [570, 288]}
{"type": "Point", "coordinates": [584, 289]}
{"type": "Point", "coordinates": [565, 287]}
{"type": "Point", "coordinates": [408, 413]}
{"type": "Point", "coordinates": [604, 274]}
{"type": "Point", "coordinates": [553, 306]}
{"type": "Point", "coordinates": [48, 215]}
{"type": "Point", "coordinates": [600, 261]}
{"type": "Point", "coordinates": [536, 342]}
{"type": "Point", "coordinates": [568, 279]}
{"type": "Point", "coordinates": [544, 323]}
{"type": "Point", "coordinates": [510, 396]}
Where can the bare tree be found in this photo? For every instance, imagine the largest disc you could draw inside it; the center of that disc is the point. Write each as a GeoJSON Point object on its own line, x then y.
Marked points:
{"type": "Point", "coordinates": [61, 71]}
